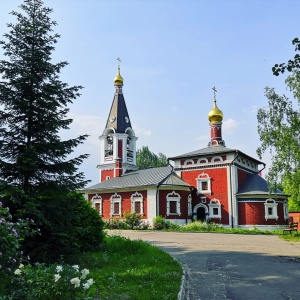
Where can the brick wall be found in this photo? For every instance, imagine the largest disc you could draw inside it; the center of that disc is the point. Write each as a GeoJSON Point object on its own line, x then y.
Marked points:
{"type": "Point", "coordinates": [219, 189]}
{"type": "Point", "coordinates": [253, 213]}
{"type": "Point", "coordinates": [126, 203]}
{"type": "Point", "coordinates": [105, 173]}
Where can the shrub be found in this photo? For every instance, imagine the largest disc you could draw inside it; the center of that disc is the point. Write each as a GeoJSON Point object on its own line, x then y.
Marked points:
{"type": "Point", "coordinates": [55, 282]}
{"type": "Point", "coordinates": [11, 236]}
{"type": "Point", "coordinates": [72, 227]}
{"type": "Point", "coordinates": [132, 219]}
{"type": "Point", "coordinates": [160, 223]}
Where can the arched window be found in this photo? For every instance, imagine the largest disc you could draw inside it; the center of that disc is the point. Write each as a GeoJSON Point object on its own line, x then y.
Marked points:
{"type": "Point", "coordinates": [203, 184]}
{"type": "Point", "coordinates": [271, 209]}
{"type": "Point", "coordinates": [97, 203]}
{"type": "Point", "coordinates": [190, 209]}
{"type": "Point", "coordinates": [173, 204]}
{"type": "Point", "coordinates": [285, 210]}
{"type": "Point", "coordinates": [215, 209]}
{"type": "Point", "coordinates": [116, 205]}
{"type": "Point", "coordinates": [137, 203]}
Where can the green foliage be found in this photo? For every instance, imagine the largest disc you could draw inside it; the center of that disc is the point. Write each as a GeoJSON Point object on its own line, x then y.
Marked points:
{"type": "Point", "coordinates": [291, 65]}
{"type": "Point", "coordinates": [132, 219]}
{"type": "Point", "coordinates": [72, 227]}
{"type": "Point", "coordinates": [11, 236]}
{"type": "Point", "coordinates": [123, 270]}
{"type": "Point", "coordinates": [160, 223]}
{"type": "Point", "coordinates": [146, 159]}
{"type": "Point", "coordinates": [51, 282]}
{"type": "Point", "coordinates": [279, 131]}
{"type": "Point", "coordinates": [38, 179]}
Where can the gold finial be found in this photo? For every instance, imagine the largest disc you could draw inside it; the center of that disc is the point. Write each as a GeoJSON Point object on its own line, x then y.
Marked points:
{"type": "Point", "coordinates": [118, 79]}
{"type": "Point", "coordinates": [215, 114]}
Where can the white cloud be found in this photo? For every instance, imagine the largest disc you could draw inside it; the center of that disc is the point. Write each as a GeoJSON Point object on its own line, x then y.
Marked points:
{"type": "Point", "coordinates": [229, 126]}
{"type": "Point", "coordinates": [139, 131]}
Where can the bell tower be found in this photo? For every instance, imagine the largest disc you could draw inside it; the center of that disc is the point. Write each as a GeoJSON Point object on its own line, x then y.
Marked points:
{"type": "Point", "coordinates": [215, 117]}
{"type": "Point", "coordinates": [118, 140]}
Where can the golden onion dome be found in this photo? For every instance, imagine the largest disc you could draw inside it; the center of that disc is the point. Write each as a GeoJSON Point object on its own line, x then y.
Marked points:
{"type": "Point", "coordinates": [215, 114]}
{"type": "Point", "coordinates": [118, 79]}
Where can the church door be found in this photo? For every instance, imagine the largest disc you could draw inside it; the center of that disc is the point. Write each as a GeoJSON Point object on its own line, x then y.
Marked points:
{"type": "Point", "coordinates": [201, 214]}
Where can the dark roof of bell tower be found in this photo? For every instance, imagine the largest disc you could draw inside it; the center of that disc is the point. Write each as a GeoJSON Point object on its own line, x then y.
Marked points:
{"type": "Point", "coordinates": [118, 117]}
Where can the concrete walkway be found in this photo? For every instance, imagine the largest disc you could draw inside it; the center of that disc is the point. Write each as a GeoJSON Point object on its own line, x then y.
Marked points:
{"type": "Point", "coordinates": [228, 266]}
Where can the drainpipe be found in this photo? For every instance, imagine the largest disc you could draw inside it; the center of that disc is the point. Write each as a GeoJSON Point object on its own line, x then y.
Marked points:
{"type": "Point", "coordinates": [262, 168]}
{"type": "Point", "coordinates": [231, 192]}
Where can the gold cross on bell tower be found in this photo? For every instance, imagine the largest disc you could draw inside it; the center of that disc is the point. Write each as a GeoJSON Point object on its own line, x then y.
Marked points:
{"type": "Point", "coordinates": [215, 90]}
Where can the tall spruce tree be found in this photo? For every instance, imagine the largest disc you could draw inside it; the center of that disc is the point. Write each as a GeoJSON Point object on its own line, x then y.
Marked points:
{"type": "Point", "coordinates": [37, 177]}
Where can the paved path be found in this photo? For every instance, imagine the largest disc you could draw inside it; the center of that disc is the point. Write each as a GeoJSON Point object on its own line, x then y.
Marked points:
{"type": "Point", "coordinates": [229, 266]}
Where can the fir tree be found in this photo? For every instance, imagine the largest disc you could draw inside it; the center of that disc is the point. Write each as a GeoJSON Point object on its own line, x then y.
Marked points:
{"type": "Point", "coordinates": [36, 172]}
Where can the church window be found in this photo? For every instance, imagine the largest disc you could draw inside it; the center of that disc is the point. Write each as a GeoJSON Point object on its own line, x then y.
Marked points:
{"type": "Point", "coordinates": [115, 205]}
{"type": "Point", "coordinates": [173, 204]}
{"type": "Point", "coordinates": [271, 209]}
{"type": "Point", "coordinates": [107, 177]}
{"type": "Point", "coordinates": [190, 205]}
{"type": "Point", "coordinates": [203, 199]}
{"type": "Point", "coordinates": [217, 159]}
{"type": "Point", "coordinates": [285, 210]}
{"type": "Point", "coordinates": [97, 203]}
{"type": "Point", "coordinates": [204, 184]}
{"type": "Point", "coordinates": [137, 203]}
{"type": "Point", "coordinates": [202, 161]}
{"type": "Point", "coordinates": [215, 209]}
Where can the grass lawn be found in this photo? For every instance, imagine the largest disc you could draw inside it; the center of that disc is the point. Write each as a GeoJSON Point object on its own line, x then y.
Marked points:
{"type": "Point", "coordinates": [133, 270]}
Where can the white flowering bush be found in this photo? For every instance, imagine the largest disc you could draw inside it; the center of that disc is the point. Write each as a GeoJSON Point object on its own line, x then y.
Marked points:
{"type": "Point", "coordinates": [58, 282]}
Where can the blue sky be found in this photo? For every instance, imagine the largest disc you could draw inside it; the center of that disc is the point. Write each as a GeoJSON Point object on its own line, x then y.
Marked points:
{"type": "Point", "coordinates": [172, 53]}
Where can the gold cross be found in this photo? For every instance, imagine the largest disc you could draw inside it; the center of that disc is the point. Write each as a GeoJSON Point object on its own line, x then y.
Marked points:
{"type": "Point", "coordinates": [215, 90]}
{"type": "Point", "coordinates": [119, 60]}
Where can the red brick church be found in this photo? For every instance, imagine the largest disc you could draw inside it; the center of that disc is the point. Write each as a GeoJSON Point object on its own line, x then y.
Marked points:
{"type": "Point", "coordinates": [214, 184]}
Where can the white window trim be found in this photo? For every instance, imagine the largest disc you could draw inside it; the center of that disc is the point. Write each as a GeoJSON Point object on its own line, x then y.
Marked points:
{"type": "Point", "coordinates": [285, 210]}
{"type": "Point", "coordinates": [190, 210]}
{"type": "Point", "coordinates": [199, 161]}
{"type": "Point", "coordinates": [173, 197]}
{"type": "Point", "coordinates": [271, 203]}
{"type": "Point", "coordinates": [203, 199]}
{"type": "Point", "coordinates": [217, 157]}
{"type": "Point", "coordinates": [189, 162]}
{"type": "Point", "coordinates": [215, 203]}
{"type": "Point", "coordinates": [95, 200]}
{"type": "Point", "coordinates": [203, 178]}
{"type": "Point", "coordinates": [137, 197]}
{"type": "Point", "coordinates": [115, 198]}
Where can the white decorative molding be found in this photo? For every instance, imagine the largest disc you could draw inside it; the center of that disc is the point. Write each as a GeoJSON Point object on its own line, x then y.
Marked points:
{"type": "Point", "coordinates": [285, 210]}
{"type": "Point", "coordinates": [271, 209]}
{"type": "Point", "coordinates": [97, 203]}
{"type": "Point", "coordinates": [137, 198]}
{"type": "Point", "coordinates": [202, 160]}
{"type": "Point", "coordinates": [115, 198]}
{"type": "Point", "coordinates": [203, 184]}
{"type": "Point", "coordinates": [215, 209]}
{"type": "Point", "coordinates": [176, 198]}
{"type": "Point", "coordinates": [215, 158]}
